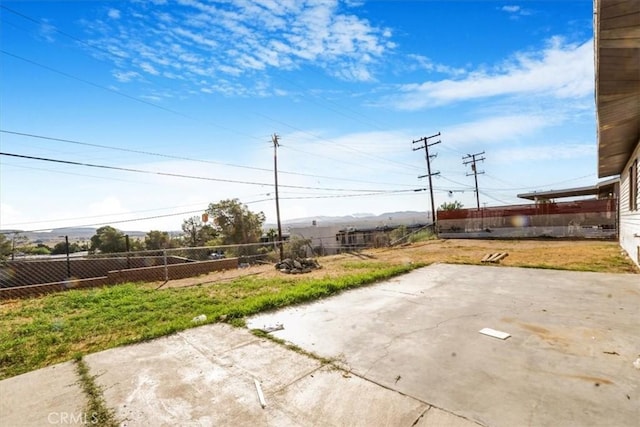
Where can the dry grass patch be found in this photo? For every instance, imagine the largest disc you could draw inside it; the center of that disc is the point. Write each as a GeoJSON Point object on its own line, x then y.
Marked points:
{"type": "Point", "coordinates": [37, 332]}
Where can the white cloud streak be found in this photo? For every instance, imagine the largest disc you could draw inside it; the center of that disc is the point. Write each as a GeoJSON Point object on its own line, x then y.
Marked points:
{"type": "Point", "coordinates": [113, 14]}
{"type": "Point", "coordinates": [561, 70]}
{"type": "Point", "coordinates": [224, 40]}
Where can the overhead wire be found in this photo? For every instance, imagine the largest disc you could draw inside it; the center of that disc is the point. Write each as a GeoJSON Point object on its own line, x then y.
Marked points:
{"type": "Point", "coordinates": [33, 20]}
{"type": "Point", "coordinates": [68, 75]}
{"type": "Point", "coordinates": [345, 147]}
{"type": "Point", "coordinates": [119, 93]}
{"type": "Point", "coordinates": [99, 216]}
{"type": "Point", "coordinates": [176, 175]}
{"type": "Point", "coordinates": [394, 193]}
{"type": "Point", "coordinates": [150, 153]}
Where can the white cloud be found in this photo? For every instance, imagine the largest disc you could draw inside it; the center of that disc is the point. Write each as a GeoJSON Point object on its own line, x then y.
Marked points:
{"type": "Point", "coordinates": [108, 206]}
{"type": "Point", "coordinates": [420, 62]}
{"type": "Point", "coordinates": [46, 31]}
{"type": "Point", "coordinates": [9, 215]}
{"type": "Point", "coordinates": [494, 130]}
{"type": "Point", "coordinates": [510, 9]}
{"type": "Point", "coordinates": [515, 12]}
{"type": "Point", "coordinates": [560, 70]}
{"type": "Point", "coordinates": [149, 68]}
{"type": "Point", "coordinates": [125, 76]}
{"type": "Point", "coordinates": [544, 152]}
{"type": "Point", "coordinates": [194, 38]}
{"type": "Point", "coordinates": [113, 14]}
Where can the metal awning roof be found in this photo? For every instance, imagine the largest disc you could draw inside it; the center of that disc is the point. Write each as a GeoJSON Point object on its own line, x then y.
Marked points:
{"type": "Point", "coordinates": [617, 63]}
{"type": "Point", "coordinates": [591, 190]}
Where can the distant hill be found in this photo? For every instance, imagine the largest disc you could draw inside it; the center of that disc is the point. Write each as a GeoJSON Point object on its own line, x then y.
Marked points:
{"type": "Point", "coordinates": [355, 220]}
{"type": "Point", "coordinates": [57, 234]}
{"type": "Point", "coordinates": [358, 220]}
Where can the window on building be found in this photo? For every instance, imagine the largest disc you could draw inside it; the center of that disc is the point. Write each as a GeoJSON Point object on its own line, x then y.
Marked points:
{"type": "Point", "coordinates": [633, 186]}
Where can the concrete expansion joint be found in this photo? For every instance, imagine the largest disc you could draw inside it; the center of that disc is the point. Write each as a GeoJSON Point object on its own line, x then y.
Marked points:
{"type": "Point", "coordinates": [393, 291]}
{"type": "Point", "coordinates": [297, 379]}
{"type": "Point", "coordinates": [362, 376]}
{"type": "Point", "coordinates": [216, 355]}
{"type": "Point", "coordinates": [417, 420]}
{"type": "Point", "coordinates": [415, 331]}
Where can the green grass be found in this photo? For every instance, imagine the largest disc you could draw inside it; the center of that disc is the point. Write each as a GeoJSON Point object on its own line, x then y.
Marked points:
{"type": "Point", "coordinates": [97, 411]}
{"type": "Point", "coordinates": [42, 331]}
{"type": "Point", "coordinates": [422, 236]}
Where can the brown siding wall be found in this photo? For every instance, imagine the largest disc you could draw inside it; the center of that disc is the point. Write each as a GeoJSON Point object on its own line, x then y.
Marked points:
{"type": "Point", "coordinates": [581, 219]}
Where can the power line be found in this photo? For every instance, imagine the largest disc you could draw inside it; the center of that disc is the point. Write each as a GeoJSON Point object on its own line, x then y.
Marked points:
{"type": "Point", "coordinates": [333, 143]}
{"type": "Point", "coordinates": [173, 111]}
{"type": "Point", "coordinates": [276, 144]}
{"type": "Point", "coordinates": [54, 28]}
{"type": "Point", "coordinates": [116, 92]}
{"type": "Point", "coordinates": [168, 156]}
{"type": "Point", "coordinates": [116, 222]}
{"type": "Point", "coordinates": [425, 141]}
{"type": "Point", "coordinates": [72, 173]}
{"type": "Point", "coordinates": [110, 53]}
{"type": "Point", "coordinates": [383, 193]}
{"type": "Point", "coordinates": [168, 109]}
{"type": "Point", "coordinates": [493, 198]}
{"type": "Point", "coordinates": [475, 170]}
{"type": "Point", "coordinates": [176, 175]}
{"type": "Point", "coordinates": [536, 186]}
{"type": "Point", "coordinates": [96, 216]}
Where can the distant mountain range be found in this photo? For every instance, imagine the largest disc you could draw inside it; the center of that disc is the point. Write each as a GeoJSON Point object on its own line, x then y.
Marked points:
{"type": "Point", "coordinates": [358, 220]}
{"type": "Point", "coordinates": [58, 234]}
{"type": "Point", "coordinates": [355, 220]}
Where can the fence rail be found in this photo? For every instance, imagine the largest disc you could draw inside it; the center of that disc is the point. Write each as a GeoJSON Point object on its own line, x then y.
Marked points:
{"type": "Point", "coordinates": [26, 277]}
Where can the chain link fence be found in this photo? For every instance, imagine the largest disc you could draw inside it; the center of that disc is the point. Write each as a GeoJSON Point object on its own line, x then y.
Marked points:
{"type": "Point", "coordinates": [37, 275]}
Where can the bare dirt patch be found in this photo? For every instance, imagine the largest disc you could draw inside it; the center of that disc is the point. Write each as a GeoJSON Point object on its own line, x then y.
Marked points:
{"type": "Point", "coordinates": [566, 255]}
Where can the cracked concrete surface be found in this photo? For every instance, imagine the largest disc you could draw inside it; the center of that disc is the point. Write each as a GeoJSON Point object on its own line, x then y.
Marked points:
{"type": "Point", "coordinates": [569, 360]}
{"type": "Point", "coordinates": [410, 354]}
{"type": "Point", "coordinates": [205, 377]}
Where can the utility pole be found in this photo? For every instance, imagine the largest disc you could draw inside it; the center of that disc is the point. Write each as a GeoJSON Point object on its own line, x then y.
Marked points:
{"type": "Point", "coordinates": [276, 144]}
{"type": "Point", "coordinates": [425, 141]}
{"type": "Point", "coordinates": [66, 241]}
{"type": "Point", "coordinates": [471, 158]}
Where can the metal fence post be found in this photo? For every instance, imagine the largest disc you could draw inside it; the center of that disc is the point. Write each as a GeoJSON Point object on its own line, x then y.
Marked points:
{"type": "Point", "coordinates": [166, 266]}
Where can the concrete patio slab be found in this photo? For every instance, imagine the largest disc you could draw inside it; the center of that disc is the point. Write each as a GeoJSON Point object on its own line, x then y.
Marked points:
{"type": "Point", "coordinates": [205, 377]}
{"type": "Point", "coordinates": [410, 351]}
{"type": "Point", "coordinates": [48, 396]}
{"type": "Point", "coordinates": [569, 360]}
{"type": "Point", "coordinates": [331, 397]}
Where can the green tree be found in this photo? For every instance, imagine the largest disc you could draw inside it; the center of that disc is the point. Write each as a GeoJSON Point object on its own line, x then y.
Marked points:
{"type": "Point", "coordinates": [296, 247]}
{"type": "Point", "coordinates": [39, 250]}
{"type": "Point", "coordinates": [18, 244]}
{"type": "Point", "coordinates": [5, 247]}
{"type": "Point", "coordinates": [455, 205]}
{"type": "Point", "coordinates": [137, 244]}
{"type": "Point", "coordinates": [197, 233]}
{"type": "Point", "coordinates": [272, 234]}
{"type": "Point", "coordinates": [61, 248]}
{"type": "Point", "coordinates": [157, 240]}
{"type": "Point", "coordinates": [398, 233]}
{"type": "Point", "coordinates": [236, 224]}
{"type": "Point", "coordinates": [108, 240]}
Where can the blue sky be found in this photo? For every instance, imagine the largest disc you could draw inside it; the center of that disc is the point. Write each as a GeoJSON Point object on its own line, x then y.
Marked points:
{"type": "Point", "coordinates": [190, 92]}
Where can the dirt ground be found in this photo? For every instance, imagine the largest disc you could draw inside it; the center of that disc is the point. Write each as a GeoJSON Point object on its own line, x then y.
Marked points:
{"type": "Point", "coordinates": [570, 255]}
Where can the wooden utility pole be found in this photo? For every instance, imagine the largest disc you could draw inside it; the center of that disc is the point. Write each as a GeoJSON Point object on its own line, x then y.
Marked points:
{"type": "Point", "coordinates": [425, 141]}
{"type": "Point", "coordinates": [276, 144]}
{"type": "Point", "coordinates": [473, 160]}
